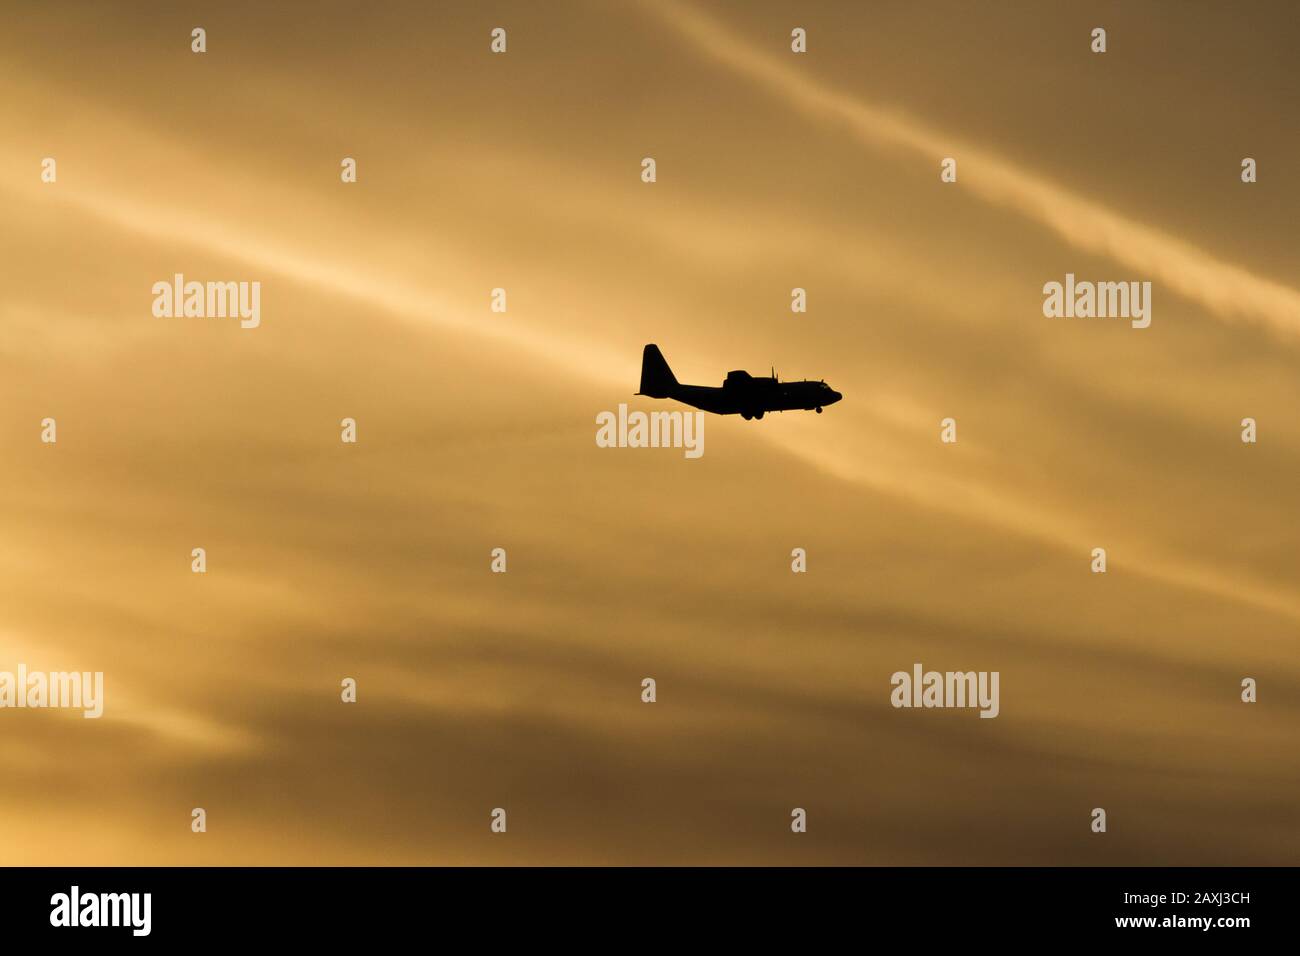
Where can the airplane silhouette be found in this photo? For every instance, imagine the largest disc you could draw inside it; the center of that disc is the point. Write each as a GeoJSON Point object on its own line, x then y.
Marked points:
{"type": "Point", "coordinates": [741, 394]}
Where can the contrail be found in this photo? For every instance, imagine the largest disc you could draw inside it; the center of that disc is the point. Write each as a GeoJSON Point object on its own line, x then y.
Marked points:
{"type": "Point", "coordinates": [1225, 290]}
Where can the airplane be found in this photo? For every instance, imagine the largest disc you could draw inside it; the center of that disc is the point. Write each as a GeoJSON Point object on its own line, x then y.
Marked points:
{"type": "Point", "coordinates": [741, 394]}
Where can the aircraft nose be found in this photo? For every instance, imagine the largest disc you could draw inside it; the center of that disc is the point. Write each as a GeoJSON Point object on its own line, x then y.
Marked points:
{"type": "Point", "coordinates": [835, 396]}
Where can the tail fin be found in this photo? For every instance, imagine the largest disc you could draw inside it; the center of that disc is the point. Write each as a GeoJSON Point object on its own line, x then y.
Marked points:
{"type": "Point", "coordinates": [657, 379]}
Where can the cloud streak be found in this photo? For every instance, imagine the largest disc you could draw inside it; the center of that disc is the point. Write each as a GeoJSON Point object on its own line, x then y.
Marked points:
{"type": "Point", "coordinates": [1227, 291]}
{"type": "Point", "coordinates": [589, 361]}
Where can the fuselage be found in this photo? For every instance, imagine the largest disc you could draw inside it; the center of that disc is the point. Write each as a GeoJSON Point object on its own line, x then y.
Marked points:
{"type": "Point", "coordinates": [741, 394]}
{"type": "Point", "coordinates": [745, 395]}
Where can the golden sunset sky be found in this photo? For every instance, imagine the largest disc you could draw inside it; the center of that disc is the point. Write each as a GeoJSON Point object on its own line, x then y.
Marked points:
{"type": "Point", "coordinates": [476, 431]}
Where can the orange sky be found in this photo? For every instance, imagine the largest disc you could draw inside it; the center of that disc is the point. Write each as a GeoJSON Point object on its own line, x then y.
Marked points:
{"type": "Point", "coordinates": [476, 430]}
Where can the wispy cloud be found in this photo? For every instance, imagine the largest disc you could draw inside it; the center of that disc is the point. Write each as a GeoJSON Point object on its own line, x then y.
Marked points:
{"type": "Point", "coordinates": [844, 457]}
{"type": "Point", "coordinates": [1226, 290]}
